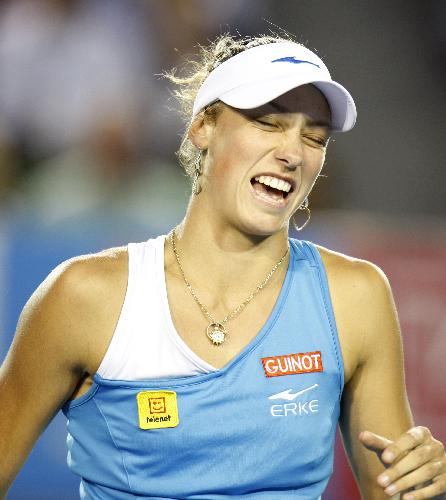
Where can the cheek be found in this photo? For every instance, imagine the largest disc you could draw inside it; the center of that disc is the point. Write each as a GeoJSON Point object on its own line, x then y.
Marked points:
{"type": "Point", "coordinates": [314, 161]}
{"type": "Point", "coordinates": [313, 164]}
{"type": "Point", "coordinates": [232, 154]}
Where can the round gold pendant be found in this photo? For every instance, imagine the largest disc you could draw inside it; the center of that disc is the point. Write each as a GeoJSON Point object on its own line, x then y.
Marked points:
{"type": "Point", "coordinates": [216, 333]}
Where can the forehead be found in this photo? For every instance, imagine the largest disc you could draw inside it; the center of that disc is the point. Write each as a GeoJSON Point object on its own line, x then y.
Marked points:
{"type": "Point", "coordinates": [306, 99]}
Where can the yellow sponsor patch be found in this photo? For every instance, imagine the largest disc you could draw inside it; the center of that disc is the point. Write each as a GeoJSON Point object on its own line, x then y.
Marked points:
{"type": "Point", "coordinates": [157, 409]}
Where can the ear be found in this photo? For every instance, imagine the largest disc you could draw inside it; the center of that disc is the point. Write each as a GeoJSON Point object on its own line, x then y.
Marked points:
{"type": "Point", "coordinates": [200, 132]}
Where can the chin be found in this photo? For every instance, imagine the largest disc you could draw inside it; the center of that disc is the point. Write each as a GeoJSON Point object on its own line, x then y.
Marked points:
{"type": "Point", "coordinates": [265, 228]}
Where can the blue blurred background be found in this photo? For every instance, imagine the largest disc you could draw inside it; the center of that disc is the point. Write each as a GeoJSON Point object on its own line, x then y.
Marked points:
{"type": "Point", "coordinates": [88, 131]}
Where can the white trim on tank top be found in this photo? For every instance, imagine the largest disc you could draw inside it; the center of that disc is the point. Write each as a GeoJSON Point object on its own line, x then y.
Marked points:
{"type": "Point", "coordinates": [145, 344]}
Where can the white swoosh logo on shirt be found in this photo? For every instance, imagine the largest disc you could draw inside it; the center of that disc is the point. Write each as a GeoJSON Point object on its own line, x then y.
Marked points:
{"type": "Point", "coordinates": [289, 396]}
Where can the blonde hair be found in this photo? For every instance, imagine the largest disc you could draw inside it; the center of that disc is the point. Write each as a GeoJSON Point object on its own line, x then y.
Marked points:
{"type": "Point", "coordinates": [194, 72]}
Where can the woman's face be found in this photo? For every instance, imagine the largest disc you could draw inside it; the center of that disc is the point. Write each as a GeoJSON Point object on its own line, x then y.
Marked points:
{"type": "Point", "coordinates": [262, 163]}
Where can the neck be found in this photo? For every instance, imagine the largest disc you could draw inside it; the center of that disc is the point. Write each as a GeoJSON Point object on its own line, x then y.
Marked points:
{"type": "Point", "coordinates": [217, 254]}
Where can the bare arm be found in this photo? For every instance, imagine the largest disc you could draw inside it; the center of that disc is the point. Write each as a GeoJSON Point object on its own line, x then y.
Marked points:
{"type": "Point", "coordinates": [375, 397]}
{"type": "Point", "coordinates": [56, 345]}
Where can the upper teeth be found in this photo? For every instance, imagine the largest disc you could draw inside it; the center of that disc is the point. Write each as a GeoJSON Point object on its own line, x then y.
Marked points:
{"type": "Point", "coordinates": [274, 182]}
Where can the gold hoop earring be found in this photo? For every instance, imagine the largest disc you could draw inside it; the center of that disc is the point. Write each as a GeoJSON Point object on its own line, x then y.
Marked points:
{"type": "Point", "coordinates": [196, 188]}
{"type": "Point", "coordinates": [305, 207]}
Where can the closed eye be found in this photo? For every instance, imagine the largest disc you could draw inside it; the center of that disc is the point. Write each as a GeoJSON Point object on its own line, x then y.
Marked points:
{"type": "Point", "coordinates": [266, 123]}
{"type": "Point", "coordinates": [317, 140]}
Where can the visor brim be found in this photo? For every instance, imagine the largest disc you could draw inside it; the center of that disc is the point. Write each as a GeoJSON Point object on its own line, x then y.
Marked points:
{"type": "Point", "coordinates": [255, 94]}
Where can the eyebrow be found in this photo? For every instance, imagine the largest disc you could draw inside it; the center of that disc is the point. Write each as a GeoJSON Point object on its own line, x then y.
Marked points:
{"type": "Point", "coordinates": [319, 123]}
{"type": "Point", "coordinates": [278, 107]}
{"type": "Point", "coordinates": [313, 123]}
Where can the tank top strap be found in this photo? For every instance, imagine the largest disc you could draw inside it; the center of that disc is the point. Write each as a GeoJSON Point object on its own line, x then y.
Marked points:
{"type": "Point", "coordinates": [145, 344]}
{"type": "Point", "coordinates": [308, 251]}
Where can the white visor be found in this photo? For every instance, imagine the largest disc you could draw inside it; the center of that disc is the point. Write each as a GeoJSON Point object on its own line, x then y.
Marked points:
{"type": "Point", "coordinates": [260, 74]}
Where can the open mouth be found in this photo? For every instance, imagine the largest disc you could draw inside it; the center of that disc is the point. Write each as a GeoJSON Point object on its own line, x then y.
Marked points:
{"type": "Point", "coordinates": [271, 187]}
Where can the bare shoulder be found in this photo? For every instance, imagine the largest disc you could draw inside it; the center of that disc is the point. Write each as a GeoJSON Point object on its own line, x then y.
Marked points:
{"type": "Point", "coordinates": [359, 281]}
{"type": "Point", "coordinates": [354, 278]}
{"type": "Point", "coordinates": [84, 275]}
{"type": "Point", "coordinates": [79, 300]}
{"type": "Point", "coordinates": [82, 280]}
{"type": "Point", "coordinates": [350, 268]}
{"type": "Point", "coordinates": [61, 336]}
{"type": "Point", "coordinates": [363, 306]}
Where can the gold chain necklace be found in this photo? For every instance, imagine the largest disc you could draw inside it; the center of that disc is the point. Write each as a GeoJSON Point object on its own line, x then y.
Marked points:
{"type": "Point", "coordinates": [216, 331]}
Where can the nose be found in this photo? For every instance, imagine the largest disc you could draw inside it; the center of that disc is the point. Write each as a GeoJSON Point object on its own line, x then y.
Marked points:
{"type": "Point", "coordinates": [290, 153]}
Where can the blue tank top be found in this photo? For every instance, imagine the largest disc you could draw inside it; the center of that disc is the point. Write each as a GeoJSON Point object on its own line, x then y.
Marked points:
{"type": "Point", "coordinates": [262, 427]}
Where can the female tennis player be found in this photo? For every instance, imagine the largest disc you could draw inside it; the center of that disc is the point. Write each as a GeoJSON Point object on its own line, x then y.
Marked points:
{"type": "Point", "coordinates": [216, 362]}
